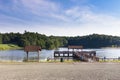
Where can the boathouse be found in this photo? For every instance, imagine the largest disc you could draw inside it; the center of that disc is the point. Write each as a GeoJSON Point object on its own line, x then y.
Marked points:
{"type": "Point", "coordinates": [32, 48]}
{"type": "Point", "coordinates": [77, 53]}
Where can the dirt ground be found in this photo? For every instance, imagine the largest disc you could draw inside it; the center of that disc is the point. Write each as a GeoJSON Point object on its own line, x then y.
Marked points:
{"type": "Point", "coordinates": [59, 71]}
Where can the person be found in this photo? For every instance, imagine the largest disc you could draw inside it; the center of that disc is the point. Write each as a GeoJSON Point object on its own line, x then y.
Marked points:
{"type": "Point", "coordinates": [104, 58]}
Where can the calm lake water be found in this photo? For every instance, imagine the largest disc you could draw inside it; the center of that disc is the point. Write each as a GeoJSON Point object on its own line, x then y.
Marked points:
{"type": "Point", "coordinates": [20, 55]}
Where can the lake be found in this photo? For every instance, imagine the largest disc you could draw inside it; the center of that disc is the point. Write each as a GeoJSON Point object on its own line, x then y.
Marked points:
{"type": "Point", "coordinates": [20, 55]}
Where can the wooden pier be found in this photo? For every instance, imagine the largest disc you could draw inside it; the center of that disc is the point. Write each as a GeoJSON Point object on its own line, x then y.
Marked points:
{"type": "Point", "coordinates": [76, 55]}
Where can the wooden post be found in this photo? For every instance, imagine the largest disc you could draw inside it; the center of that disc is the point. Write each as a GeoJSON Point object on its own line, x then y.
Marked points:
{"type": "Point", "coordinates": [59, 54]}
{"type": "Point", "coordinates": [38, 56]}
{"type": "Point", "coordinates": [68, 55]}
{"type": "Point", "coordinates": [63, 55]}
{"type": "Point", "coordinates": [54, 56]}
{"type": "Point", "coordinates": [27, 55]}
{"type": "Point", "coordinates": [94, 54]}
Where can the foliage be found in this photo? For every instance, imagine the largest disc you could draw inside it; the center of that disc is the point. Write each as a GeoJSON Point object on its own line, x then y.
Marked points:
{"type": "Point", "coordinates": [0, 38]}
{"type": "Point", "coordinates": [53, 42]}
{"type": "Point", "coordinates": [31, 38]}
{"type": "Point", "coordinates": [95, 41]}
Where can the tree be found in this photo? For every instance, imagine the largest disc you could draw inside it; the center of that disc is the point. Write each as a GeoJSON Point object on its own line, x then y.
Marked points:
{"type": "Point", "coordinates": [6, 39]}
{"type": "Point", "coordinates": [56, 43]}
{"type": "Point", "coordinates": [49, 44]}
{"type": "Point", "coordinates": [52, 42]}
{"type": "Point", "coordinates": [0, 38]}
{"type": "Point", "coordinates": [41, 43]}
{"type": "Point", "coordinates": [25, 43]}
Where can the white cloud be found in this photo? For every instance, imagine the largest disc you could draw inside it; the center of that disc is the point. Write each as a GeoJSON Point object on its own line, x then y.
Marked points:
{"type": "Point", "coordinates": [44, 8]}
{"type": "Point", "coordinates": [8, 20]}
{"type": "Point", "coordinates": [41, 7]}
{"type": "Point", "coordinates": [86, 16]}
{"type": "Point", "coordinates": [77, 20]}
{"type": "Point", "coordinates": [85, 21]}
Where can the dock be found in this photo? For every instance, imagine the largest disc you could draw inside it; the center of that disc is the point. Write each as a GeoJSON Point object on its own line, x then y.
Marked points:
{"type": "Point", "coordinates": [87, 56]}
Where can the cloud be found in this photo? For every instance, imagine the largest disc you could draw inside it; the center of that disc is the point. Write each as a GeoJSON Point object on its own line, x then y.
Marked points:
{"type": "Point", "coordinates": [45, 8]}
{"type": "Point", "coordinates": [40, 6]}
{"type": "Point", "coordinates": [85, 15]}
{"type": "Point", "coordinates": [29, 9]}
{"type": "Point", "coordinates": [46, 16]}
{"type": "Point", "coordinates": [8, 20]}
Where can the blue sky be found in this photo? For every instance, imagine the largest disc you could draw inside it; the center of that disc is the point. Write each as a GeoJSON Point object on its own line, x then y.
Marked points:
{"type": "Point", "coordinates": [61, 17]}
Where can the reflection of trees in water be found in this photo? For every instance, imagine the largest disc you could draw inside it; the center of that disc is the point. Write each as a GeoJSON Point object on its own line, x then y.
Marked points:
{"type": "Point", "coordinates": [32, 56]}
{"type": "Point", "coordinates": [30, 59]}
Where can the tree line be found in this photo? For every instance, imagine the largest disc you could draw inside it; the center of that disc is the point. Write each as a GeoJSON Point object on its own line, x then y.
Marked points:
{"type": "Point", "coordinates": [95, 41]}
{"type": "Point", "coordinates": [53, 42]}
{"type": "Point", "coordinates": [31, 38]}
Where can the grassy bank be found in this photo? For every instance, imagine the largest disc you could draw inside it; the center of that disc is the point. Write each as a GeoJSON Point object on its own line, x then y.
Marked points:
{"type": "Point", "coordinates": [8, 46]}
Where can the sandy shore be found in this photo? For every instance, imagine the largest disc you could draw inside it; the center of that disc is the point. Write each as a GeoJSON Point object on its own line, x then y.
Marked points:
{"type": "Point", "coordinates": [59, 71]}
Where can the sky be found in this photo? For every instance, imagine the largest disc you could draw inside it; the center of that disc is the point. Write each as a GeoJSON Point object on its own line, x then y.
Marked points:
{"type": "Point", "coordinates": [61, 17]}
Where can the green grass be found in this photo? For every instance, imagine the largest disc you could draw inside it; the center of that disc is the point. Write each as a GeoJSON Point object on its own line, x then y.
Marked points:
{"type": "Point", "coordinates": [109, 61]}
{"type": "Point", "coordinates": [8, 46]}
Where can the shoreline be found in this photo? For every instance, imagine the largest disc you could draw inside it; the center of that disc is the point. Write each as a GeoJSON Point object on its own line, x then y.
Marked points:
{"type": "Point", "coordinates": [59, 63]}
{"type": "Point", "coordinates": [9, 47]}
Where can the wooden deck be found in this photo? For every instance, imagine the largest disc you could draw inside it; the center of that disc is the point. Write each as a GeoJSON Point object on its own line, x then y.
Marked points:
{"type": "Point", "coordinates": [76, 55]}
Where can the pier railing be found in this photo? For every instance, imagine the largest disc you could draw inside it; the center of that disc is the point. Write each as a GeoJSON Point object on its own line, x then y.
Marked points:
{"type": "Point", "coordinates": [76, 55]}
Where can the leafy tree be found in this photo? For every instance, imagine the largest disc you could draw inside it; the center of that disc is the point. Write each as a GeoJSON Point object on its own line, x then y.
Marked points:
{"type": "Point", "coordinates": [49, 44]}
{"type": "Point", "coordinates": [25, 43]}
{"type": "Point", "coordinates": [41, 43]}
{"type": "Point", "coordinates": [52, 42]}
{"type": "Point", "coordinates": [6, 39]}
{"type": "Point", "coordinates": [0, 38]}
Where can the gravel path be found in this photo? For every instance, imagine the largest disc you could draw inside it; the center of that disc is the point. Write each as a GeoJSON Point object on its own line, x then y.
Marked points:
{"type": "Point", "coordinates": [59, 71]}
